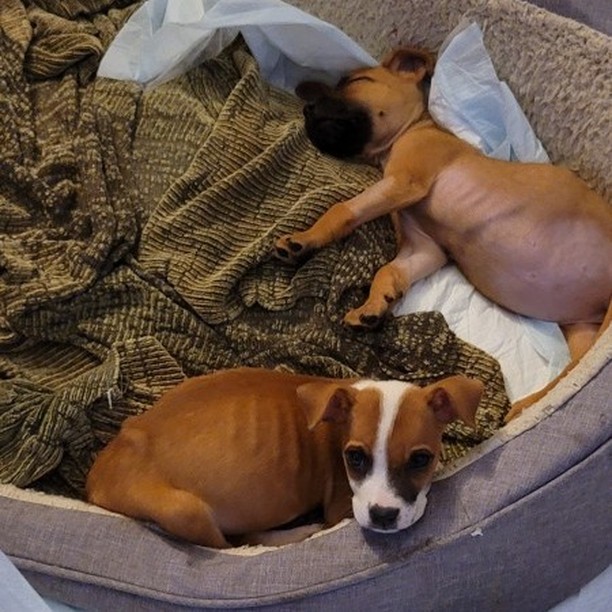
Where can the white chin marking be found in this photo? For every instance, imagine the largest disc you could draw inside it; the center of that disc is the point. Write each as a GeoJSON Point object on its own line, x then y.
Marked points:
{"type": "Point", "coordinates": [408, 515]}
{"type": "Point", "coordinates": [414, 511]}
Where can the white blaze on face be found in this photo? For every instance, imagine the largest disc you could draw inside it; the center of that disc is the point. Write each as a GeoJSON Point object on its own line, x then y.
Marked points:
{"type": "Point", "coordinates": [375, 489]}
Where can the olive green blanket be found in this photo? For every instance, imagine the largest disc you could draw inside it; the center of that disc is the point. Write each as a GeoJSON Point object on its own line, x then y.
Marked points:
{"type": "Point", "coordinates": [135, 246]}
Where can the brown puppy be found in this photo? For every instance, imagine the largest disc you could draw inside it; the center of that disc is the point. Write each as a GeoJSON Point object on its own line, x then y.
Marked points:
{"type": "Point", "coordinates": [242, 451]}
{"type": "Point", "coordinates": [531, 237]}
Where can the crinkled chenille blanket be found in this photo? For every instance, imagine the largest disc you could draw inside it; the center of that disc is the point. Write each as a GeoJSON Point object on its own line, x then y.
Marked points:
{"type": "Point", "coordinates": [136, 231]}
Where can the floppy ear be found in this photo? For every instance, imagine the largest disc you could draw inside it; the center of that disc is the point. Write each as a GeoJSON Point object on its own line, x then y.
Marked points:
{"type": "Point", "coordinates": [325, 401]}
{"type": "Point", "coordinates": [418, 62]}
{"type": "Point", "coordinates": [454, 398]}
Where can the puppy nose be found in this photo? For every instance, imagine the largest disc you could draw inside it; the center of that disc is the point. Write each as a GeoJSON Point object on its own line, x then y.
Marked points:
{"type": "Point", "coordinates": [383, 517]}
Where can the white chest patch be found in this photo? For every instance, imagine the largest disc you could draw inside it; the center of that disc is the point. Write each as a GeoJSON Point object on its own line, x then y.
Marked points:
{"type": "Point", "coordinates": [375, 490]}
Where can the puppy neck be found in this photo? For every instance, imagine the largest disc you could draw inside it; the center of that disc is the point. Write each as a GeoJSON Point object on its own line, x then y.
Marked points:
{"type": "Point", "coordinates": [379, 154]}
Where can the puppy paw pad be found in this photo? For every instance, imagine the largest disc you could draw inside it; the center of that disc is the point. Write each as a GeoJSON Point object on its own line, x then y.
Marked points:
{"type": "Point", "coordinates": [295, 247]}
{"type": "Point", "coordinates": [288, 249]}
{"type": "Point", "coordinates": [281, 252]}
{"type": "Point", "coordinates": [369, 320]}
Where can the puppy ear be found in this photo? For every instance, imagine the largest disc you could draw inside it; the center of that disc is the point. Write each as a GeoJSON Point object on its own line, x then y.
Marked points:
{"type": "Point", "coordinates": [325, 401]}
{"type": "Point", "coordinates": [454, 398]}
{"type": "Point", "coordinates": [418, 62]}
{"type": "Point", "coordinates": [311, 91]}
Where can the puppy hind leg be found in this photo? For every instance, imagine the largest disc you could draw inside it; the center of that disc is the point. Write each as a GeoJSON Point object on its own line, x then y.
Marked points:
{"type": "Point", "coordinates": [178, 512]}
{"type": "Point", "coordinates": [184, 515]}
{"type": "Point", "coordinates": [580, 337]}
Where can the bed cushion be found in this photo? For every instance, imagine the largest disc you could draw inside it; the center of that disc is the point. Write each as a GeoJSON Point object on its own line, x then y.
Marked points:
{"type": "Point", "coordinates": [504, 522]}
{"type": "Point", "coordinates": [484, 531]}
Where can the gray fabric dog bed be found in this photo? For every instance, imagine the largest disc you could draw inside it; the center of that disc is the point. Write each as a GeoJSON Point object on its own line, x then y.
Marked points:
{"type": "Point", "coordinates": [519, 521]}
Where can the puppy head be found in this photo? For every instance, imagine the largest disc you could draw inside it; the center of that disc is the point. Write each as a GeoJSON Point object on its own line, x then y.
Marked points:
{"type": "Point", "coordinates": [391, 440]}
{"type": "Point", "coordinates": [369, 108]}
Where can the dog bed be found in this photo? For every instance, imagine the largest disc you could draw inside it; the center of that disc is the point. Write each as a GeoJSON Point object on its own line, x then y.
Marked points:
{"type": "Point", "coordinates": [104, 306]}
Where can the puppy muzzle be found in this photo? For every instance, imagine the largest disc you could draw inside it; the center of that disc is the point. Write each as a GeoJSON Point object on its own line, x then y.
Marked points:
{"type": "Point", "coordinates": [337, 127]}
{"type": "Point", "coordinates": [386, 512]}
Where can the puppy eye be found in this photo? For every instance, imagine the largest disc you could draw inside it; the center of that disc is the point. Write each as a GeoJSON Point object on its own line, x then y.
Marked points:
{"type": "Point", "coordinates": [419, 459]}
{"type": "Point", "coordinates": [357, 459]}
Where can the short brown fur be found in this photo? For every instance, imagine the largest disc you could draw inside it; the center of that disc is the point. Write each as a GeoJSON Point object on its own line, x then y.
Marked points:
{"type": "Point", "coordinates": [237, 453]}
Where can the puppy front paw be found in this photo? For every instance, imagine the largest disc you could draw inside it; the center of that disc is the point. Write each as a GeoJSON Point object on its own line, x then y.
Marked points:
{"type": "Point", "coordinates": [290, 248]}
{"type": "Point", "coordinates": [365, 317]}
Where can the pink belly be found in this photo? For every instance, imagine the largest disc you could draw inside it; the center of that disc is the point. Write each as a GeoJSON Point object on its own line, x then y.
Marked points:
{"type": "Point", "coordinates": [537, 253]}
{"type": "Point", "coordinates": [561, 297]}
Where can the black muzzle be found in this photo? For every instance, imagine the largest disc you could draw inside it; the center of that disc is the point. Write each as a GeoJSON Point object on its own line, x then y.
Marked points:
{"type": "Point", "coordinates": [337, 127]}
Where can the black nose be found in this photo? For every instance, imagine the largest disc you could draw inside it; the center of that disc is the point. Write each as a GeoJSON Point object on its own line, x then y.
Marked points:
{"type": "Point", "coordinates": [385, 518]}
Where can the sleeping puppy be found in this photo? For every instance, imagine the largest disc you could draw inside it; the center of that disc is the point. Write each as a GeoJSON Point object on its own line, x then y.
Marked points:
{"type": "Point", "coordinates": [531, 237]}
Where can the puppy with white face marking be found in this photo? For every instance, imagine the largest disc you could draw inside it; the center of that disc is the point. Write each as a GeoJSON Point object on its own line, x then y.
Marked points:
{"type": "Point", "coordinates": [388, 496]}
{"type": "Point", "coordinates": [532, 237]}
{"type": "Point", "coordinates": [391, 441]}
{"type": "Point", "coordinates": [229, 456]}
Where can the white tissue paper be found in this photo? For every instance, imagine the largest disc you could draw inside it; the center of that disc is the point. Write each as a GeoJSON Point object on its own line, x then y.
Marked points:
{"type": "Point", "coordinates": [163, 39]}
{"type": "Point", "coordinates": [468, 99]}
